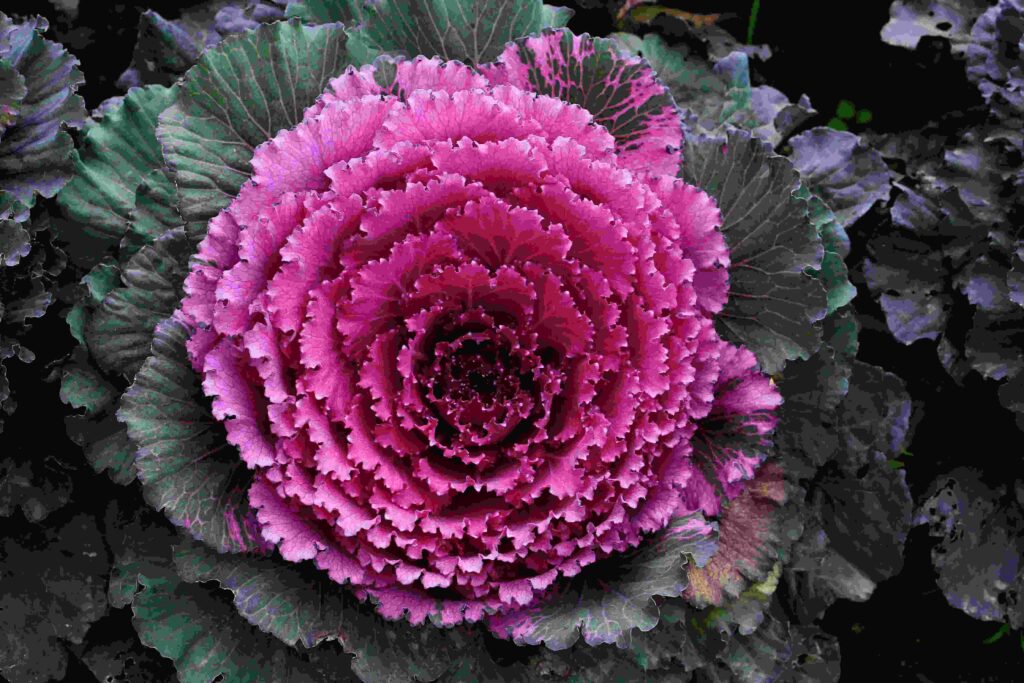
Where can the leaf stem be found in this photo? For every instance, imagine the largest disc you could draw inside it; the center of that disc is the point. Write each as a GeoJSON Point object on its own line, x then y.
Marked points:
{"type": "Point", "coordinates": [754, 7]}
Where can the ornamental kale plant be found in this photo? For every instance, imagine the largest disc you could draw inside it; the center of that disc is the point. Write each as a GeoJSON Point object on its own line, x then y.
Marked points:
{"type": "Point", "coordinates": [438, 341]}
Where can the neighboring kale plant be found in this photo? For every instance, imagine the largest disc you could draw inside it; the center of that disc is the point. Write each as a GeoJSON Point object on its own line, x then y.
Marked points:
{"type": "Point", "coordinates": [440, 320]}
{"type": "Point", "coordinates": [38, 80]}
{"type": "Point", "coordinates": [948, 264]}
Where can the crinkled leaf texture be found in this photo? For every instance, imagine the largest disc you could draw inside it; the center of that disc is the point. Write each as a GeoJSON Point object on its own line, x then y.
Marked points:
{"type": "Point", "coordinates": [38, 80]}
{"type": "Point", "coordinates": [38, 102]}
{"type": "Point", "coordinates": [301, 606]}
{"type": "Point", "coordinates": [994, 62]}
{"type": "Point", "coordinates": [609, 599]}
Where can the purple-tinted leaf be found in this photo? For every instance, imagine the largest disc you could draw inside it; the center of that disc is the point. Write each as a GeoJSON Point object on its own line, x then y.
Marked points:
{"type": "Point", "coordinates": [911, 20]}
{"type": "Point", "coordinates": [838, 167]}
{"type": "Point", "coordinates": [981, 543]}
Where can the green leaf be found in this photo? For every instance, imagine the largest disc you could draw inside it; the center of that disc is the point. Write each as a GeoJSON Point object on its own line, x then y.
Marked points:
{"type": "Point", "coordinates": [473, 31]}
{"type": "Point", "coordinates": [610, 598]}
{"type": "Point", "coordinates": [105, 445]}
{"type": "Point", "coordinates": [35, 152]}
{"type": "Point", "coordinates": [845, 109]}
{"type": "Point", "coordinates": [154, 213]}
{"type": "Point", "coordinates": [82, 387]}
{"type": "Point", "coordinates": [115, 156]}
{"type": "Point", "coordinates": [300, 605]}
{"type": "Point", "coordinates": [327, 11]}
{"type": "Point", "coordinates": [184, 462]}
{"type": "Point", "coordinates": [773, 304]}
{"type": "Point", "coordinates": [200, 632]}
{"type": "Point", "coordinates": [120, 331]}
{"type": "Point", "coordinates": [833, 273]}
{"type": "Point", "coordinates": [713, 97]}
{"type": "Point", "coordinates": [239, 95]}
{"type": "Point", "coordinates": [141, 543]}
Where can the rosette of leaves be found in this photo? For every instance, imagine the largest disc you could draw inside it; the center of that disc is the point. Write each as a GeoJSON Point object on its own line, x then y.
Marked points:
{"type": "Point", "coordinates": [946, 264]}
{"type": "Point", "coordinates": [198, 579]}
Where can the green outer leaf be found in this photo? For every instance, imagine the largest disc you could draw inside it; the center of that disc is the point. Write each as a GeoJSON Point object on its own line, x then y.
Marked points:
{"type": "Point", "coordinates": [327, 11]}
{"type": "Point", "coordinates": [712, 97]}
{"type": "Point", "coordinates": [105, 445]}
{"type": "Point", "coordinates": [154, 213]}
{"type": "Point", "coordinates": [555, 16]}
{"type": "Point", "coordinates": [82, 387]}
{"type": "Point", "coordinates": [239, 95]}
{"type": "Point", "coordinates": [833, 273]}
{"type": "Point", "coordinates": [300, 605]}
{"type": "Point", "coordinates": [184, 462]}
{"type": "Point", "coordinates": [120, 332]}
{"type": "Point", "coordinates": [195, 628]}
{"type": "Point", "coordinates": [115, 156]}
{"type": "Point", "coordinates": [773, 304]}
{"type": "Point", "coordinates": [141, 543]}
{"type": "Point", "coordinates": [473, 31]}
{"type": "Point", "coordinates": [612, 597]}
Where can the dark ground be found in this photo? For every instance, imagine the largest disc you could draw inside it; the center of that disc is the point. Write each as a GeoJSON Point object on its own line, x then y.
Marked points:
{"type": "Point", "coordinates": [830, 51]}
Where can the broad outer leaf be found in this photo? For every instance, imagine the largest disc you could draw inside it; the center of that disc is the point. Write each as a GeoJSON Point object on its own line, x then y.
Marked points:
{"type": "Point", "coordinates": [349, 12]}
{"type": "Point", "coordinates": [298, 604]}
{"type": "Point", "coordinates": [141, 543]}
{"type": "Point", "coordinates": [472, 31]}
{"type": "Point", "coordinates": [52, 583]}
{"type": "Point", "coordinates": [773, 304]}
{"type": "Point", "coordinates": [238, 96]}
{"type": "Point", "coordinates": [197, 628]}
{"type": "Point", "coordinates": [709, 95]}
{"type": "Point", "coordinates": [841, 169]}
{"type": "Point", "coordinates": [610, 598]}
{"type": "Point", "coordinates": [184, 462]}
{"type": "Point", "coordinates": [979, 554]}
{"type": "Point", "coordinates": [105, 445]}
{"type": "Point", "coordinates": [84, 388]}
{"type": "Point", "coordinates": [116, 154]}
{"type": "Point", "coordinates": [911, 20]}
{"type": "Point", "coordinates": [833, 274]}
{"type": "Point", "coordinates": [120, 331]}
{"type": "Point", "coordinates": [113, 653]}
{"type": "Point", "coordinates": [35, 151]}
{"type": "Point", "coordinates": [778, 651]}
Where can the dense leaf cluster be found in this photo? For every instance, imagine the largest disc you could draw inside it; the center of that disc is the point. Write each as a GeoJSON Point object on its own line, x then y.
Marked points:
{"type": "Point", "coordinates": [129, 553]}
